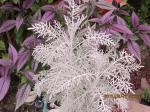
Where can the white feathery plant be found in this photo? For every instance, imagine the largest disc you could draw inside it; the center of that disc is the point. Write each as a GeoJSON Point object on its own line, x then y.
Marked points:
{"type": "Point", "coordinates": [81, 74]}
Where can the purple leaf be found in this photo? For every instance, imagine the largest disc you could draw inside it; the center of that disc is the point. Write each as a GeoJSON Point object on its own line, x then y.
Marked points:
{"type": "Point", "coordinates": [134, 49]}
{"type": "Point", "coordinates": [144, 28]}
{"type": "Point", "coordinates": [48, 8]}
{"type": "Point", "coordinates": [23, 57]}
{"type": "Point", "coordinates": [4, 71]}
{"type": "Point", "coordinates": [7, 25]}
{"type": "Point", "coordinates": [9, 6]}
{"type": "Point", "coordinates": [123, 12]}
{"type": "Point", "coordinates": [27, 4]}
{"type": "Point", "coordinates": [120, 21]}
{"type": "Point", "coordinates": [104, 5]}
{"type": "Point", "coordinates": [5, 62]}
{"type": "Point", "coordinates": [47, 16]}
{"type": "Point", "coordinates": [135, 20]}
{"type": "Point", "coordinates": [28, 74]}
{"type": "Point", "coordinates": [31, 42]}
{"type": "Point", "coordinates": [4, 86]}
{"type": "Point", "coordinates": [145, 38]}
{"type": "Point", "coordinates": [13, 55]}
{"type": "Point", "coordinates": [34, 65]}
{"type": "Point", "coordinates": [96, 20]}
{"type": "Point", "coordinates": [121, 29]}
{"type": "Point", "coordinates": [36, 17]}
{"type": "Point", "coordinates": [19, 21]}
{"type": "Point", "coordinates": [22, 95]}
{"type": "Point", "coordinates": [111, 19]}
{"type": "Point", "coordinates": [106, 16]}
{"type": "Point", "coordinates": [126, 37]}
{"type": "Point", "coordinates": [110, 31]}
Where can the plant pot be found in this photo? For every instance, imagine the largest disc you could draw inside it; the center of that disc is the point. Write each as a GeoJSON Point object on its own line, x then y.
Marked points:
{"type": "Point", "coordinates": [144, 102]}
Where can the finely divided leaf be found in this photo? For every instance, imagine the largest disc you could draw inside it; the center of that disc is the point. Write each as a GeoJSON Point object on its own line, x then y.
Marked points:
{"type": "Point", "coordinates": [22, 95]}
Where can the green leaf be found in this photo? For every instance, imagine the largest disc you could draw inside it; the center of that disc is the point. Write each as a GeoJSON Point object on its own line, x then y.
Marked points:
{"type": "Point", "coordinates": [2, 45]}
{"type": "Point", "coordinates": [2, 1]}
{"type": "Point", "coordinates": [35, 7]}
{"type": "Point", "coordinates": [5, 56]}
{"type": "Point", "coordinates": [50, 1]}
{"type": "Point", "coordinates": [15, 1]}
{"type": "Point", "coordinates": [23, 79]}
{"type": "Point", "coordinates": [19, 35]}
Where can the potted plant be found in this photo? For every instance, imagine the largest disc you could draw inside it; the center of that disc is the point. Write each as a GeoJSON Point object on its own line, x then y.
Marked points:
{"type": "Point", "coordinates": [81, 73]}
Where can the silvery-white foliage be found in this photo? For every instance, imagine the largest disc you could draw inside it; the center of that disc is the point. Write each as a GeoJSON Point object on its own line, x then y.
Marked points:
{"type": "Point", "coordinates": [81, 74]}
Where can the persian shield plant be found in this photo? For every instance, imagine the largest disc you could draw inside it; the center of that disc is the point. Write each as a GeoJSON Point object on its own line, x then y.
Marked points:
{"type": "Point", "coordinates": [82, 76]}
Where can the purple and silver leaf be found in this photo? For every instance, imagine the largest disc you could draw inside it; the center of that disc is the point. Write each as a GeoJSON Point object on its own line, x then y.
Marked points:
{"type": "Point", "coordinates": [31, 42]}
{"type": "Point", "coordinates": [19, 21]}
{"type": "Point", "coordinates": [4, 86]}
{"type": "Point", "coordinates": [47, 16]}
{"type": "Point", "coordinates": [123, 12]}
{"type": "Point", "coordinates": [27, 4]}
{"type": "Point", "coordinates": [120, 21]}
{"type": "Point", "coordinates": [104, 5]}
{"type": "Point", "coordinates": [4, 71]}
{"type": "Point", "coordinates": [13, 55]}
{"type": "Point", "coordinates": [110, 20]}
{"type": "Point", "coordinates": [7, 25]}
{"type": "Point", "coordinates": [121, 28]}
{"type": "Point", "coordinates": [48, 8]}
{"type": "Point", "coordinates": [22, 94]}
{"type": "Point", "coordinates": [106, 16]}
{"type": "Point", "coordinates": [135, 19]}
{"type": "Point", "coordinates": [134, 49]}
{"type": "Point", "coordinates": [144, 28]}
{"type": "Point", "coordinates": [36, 17]}
{"type": "Point", "coordinates": [145, 38]}
{"type": "Point", "coordinates": [96, 20]}
{"type": "Point", "coordinates": [34, 65]}
{"type": "Point", "coordinates": [9, 6]}
{"type": "Point", "coordinates": [5, 62]}
{"type": "Point", "coordinates": [23, 57]}
{"type": "Point", "coordinates": [110, 31]}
